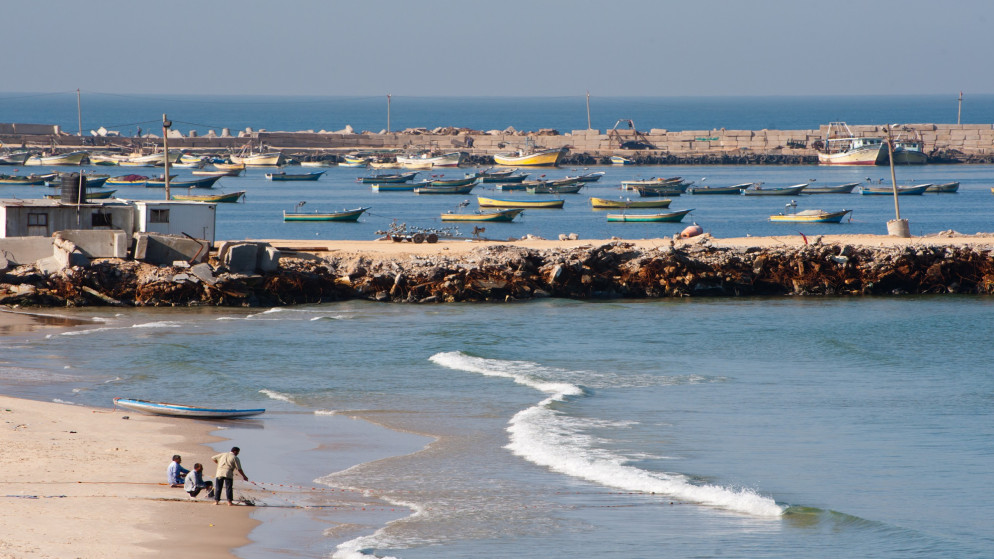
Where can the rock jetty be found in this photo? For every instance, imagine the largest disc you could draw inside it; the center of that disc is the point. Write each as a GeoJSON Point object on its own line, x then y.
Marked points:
{"type": "Point", "coordinates": [506, 272]}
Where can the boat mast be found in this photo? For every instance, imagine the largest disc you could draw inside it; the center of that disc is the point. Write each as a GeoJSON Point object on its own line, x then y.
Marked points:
{"type": "Point", "coordinates": [959, 107]}
{"type": "Point", "coordinates": [388, 113]}
{"type": "Point", "coordinates": [588, 110]}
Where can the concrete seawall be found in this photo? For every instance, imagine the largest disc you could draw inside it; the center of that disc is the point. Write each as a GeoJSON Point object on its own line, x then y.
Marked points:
{"type": "Point", "coordinates": [946, 143]}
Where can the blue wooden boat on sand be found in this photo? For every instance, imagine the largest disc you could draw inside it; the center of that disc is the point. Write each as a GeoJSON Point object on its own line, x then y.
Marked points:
{"type": "Point", "coordinates": [180, 410]}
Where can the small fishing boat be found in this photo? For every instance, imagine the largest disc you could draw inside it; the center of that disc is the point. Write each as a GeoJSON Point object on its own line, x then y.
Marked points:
{"type": "Point", "coordinates": [228, 198]}
{"type": "Point", "coordinates": [605, 203]}
{"type": "Point", "coordinates": [810, 216]}
{"type": "Point", "coordinates": [428, 159]}
{"type": "Point", "coordinates": [206, 182]}
{"type": "Point", "coordinates": [672, 182]}
{"type": "Point", "coordinates": [71, 158]}
{"type": "Point", "coordinates": [670, 217]}
{"type": "Point", "coordinates": [499, 215]}
{"type": "Point", "coordinates": [354, 161]}
{"type": "Point", "coordinates": [22, 180]}
{"type": "Point", "coordinates": [504, 203]}
{"type": "Point", "coordinates": [465, 181]}
{"type": "Point", "coordinates": [889, 190]}
{"type": "Point", "coordinates": [550, 188]}
{"type": "Point", "coordinates": [218, 173]}
{"type": "Point", "coordinates": [387, 178]}
{"type": "Point", "coordinates": [226, 166]}
{"type": "Point", "coordinates": [317, 163]}
{"type": "Point", "coordinates": [619, 160]}
{"type": "Point", "coordinates": [283, 176]}
{"type": "Point", "coordinates": [946, 188]}
{"type": "Point", "coordinates": [500, 175]}
{"type": "Point", "coordinates": [513, 186]}
{"type": "Point", "coordinates": [344, 215]}
{"type": "Point", "coordinates": [269, 159]}
{"type": "Point", "coordinates": [589, 177]}
{"type": "Point", "coordinates": [199, 164]}
{"type": "Point", "coordinates": [398, 186]}
{"type": "Point", "coordinates": [758, 190]}
{"type": "Point", "coordinates": [444, 189]}
{"type": "Point", "coordinates": [90, 195]}
{"type": "Point", "coordinates": [658, 191]}
{"type": "Point", "coordinates": [545, 157]}
{"type": "Point", "coordinates": [841, 189]}
{"type": "Point", "coordinates": [180, 410]}
{"type": "Point", "coordinates": [126, 180]}
{"type": "Point", "coordinates": [734, 189]}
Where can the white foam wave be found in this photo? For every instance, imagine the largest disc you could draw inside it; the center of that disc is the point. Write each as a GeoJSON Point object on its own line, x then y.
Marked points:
{"type": "Point", "coordinates": [326, 412]}
{"type": "Point", "coordinates": [277, 395]}
{"type": "Point", "coordinates": [547, 437]}
{"type": "Point", "coordinates": [521, 372]}
{"type": "Point", "coordinates": [160, 324]}
{"type": "Point", "coordinates": [361, 547]}
{"type": "Point", "coordinates": [58, 401]}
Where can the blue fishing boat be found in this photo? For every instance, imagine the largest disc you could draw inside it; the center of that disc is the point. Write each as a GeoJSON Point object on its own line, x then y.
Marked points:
{"type": "Point", "coordinates": [180, 410]}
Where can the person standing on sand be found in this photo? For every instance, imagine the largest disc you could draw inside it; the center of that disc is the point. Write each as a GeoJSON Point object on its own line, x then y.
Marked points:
{"type": "Point", "coordinates": [227, 464]}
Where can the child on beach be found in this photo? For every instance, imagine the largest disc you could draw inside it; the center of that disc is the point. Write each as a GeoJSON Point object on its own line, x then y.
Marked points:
{"type": "Point", "coordinates": [195, 483]}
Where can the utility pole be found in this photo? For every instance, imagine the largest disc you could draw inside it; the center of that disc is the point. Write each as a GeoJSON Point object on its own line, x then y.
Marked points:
{"type": "Point", "coordinates": [588, 111]}
{"type": "Point", "coordinates": [959, 108]}
{"type": "Point", "coordinates": [166, 124]}
{"type": "Point", "coordinates": [79, 114]}
{"type": "Point", "coordinates": [897, 227]}
{"type": "Point", "coordinates": [388, 113]}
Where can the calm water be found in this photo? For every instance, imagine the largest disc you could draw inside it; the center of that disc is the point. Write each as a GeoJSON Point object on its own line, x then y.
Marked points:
{"type": "Point", "coordinates": [702, 428]}
{"type": "Point", "coordinates": [741, 428]}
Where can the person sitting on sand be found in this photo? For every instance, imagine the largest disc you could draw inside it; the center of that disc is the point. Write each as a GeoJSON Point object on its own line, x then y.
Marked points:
{"type": "Point", "coordinates": [195, 483]}
{"type": "Point", "coordinates": [176, 472]}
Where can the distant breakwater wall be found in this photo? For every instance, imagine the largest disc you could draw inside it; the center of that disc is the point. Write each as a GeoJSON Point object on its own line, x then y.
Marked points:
{"type": "Point", "coordinates": [508, 273]}
{"type": "Point", "coordinates": [944, 143]}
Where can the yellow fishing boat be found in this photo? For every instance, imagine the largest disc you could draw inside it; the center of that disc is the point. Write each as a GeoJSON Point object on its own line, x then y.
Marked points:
{"type": "Point", "coordinates": [498, 203]}
{"type": "Point", "coordinates": [548, 157]}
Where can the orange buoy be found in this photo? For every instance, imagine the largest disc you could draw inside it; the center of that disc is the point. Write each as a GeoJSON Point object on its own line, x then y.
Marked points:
{"type": "Point", "coordinates": [691, 231]}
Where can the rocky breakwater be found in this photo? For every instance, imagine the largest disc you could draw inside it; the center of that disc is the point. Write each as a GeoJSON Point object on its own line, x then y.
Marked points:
{"type": "Point", "coordinates": [616, 269]}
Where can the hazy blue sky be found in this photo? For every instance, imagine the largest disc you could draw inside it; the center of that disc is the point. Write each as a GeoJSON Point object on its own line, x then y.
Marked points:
{"type": "Point", "coordinates": [507, 47]}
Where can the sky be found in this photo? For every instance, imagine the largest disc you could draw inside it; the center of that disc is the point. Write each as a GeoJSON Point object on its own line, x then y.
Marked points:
{"type": "Point", "coordinates": [656, 48]}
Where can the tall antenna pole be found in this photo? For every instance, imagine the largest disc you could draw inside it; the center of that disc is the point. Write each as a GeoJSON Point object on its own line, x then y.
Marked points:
{"type": "Point", "coordinates": [388, 113]}
{"type": "Point", "coordinates": [588, 111]}
{"type": "Point", "coordinates": [893, 177]}
{"type": "Point", "coordinates": [166, 123]}
{"type": "Point", "coordinates": [959, 108]}
{"type": "Point", "coordinates": [79, 114]}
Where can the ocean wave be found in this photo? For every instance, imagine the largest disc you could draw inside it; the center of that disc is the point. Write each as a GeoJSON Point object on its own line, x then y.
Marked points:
{"type": "Point", "coordinates": [547, 437]}
{"type": "Point", "coordinates": [277, 395]}
{"type": "Point", "coordinates": [325, 412]}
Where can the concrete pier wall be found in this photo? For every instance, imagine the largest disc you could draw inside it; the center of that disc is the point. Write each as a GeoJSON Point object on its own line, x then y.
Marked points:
{"type": "Point", "coordinates": [964, 142]}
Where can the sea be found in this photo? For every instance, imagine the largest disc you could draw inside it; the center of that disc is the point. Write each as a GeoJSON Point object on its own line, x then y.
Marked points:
{"type": "Point", "coordinates": [700, 427]}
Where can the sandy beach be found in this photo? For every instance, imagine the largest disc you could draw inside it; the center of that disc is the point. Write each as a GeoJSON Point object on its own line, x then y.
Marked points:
{"type": "Point", "coordinates": [90, 482]}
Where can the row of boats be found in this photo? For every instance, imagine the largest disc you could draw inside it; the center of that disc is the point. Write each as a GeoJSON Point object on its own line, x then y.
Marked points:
{"type": "Point", "coordinates": [676, 186]}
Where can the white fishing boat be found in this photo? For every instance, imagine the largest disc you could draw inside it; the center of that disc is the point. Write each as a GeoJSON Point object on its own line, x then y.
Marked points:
{"type": "Point", "coordinates": [842, 147]}
{"type": "Point", "coordinates": [180, 410]}
{"type": "Point", "coordinates": [427, 159]}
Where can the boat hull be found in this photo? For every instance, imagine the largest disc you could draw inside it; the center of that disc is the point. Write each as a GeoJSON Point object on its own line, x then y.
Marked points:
{"type": "Point", "coordinates": [841, 189]}
{"type": "Point", "coordinates": [178, 410]}
{"type": "Point", "coordinates": [499, 216]}
{"type": "Point", "coordinates": [780, 191]}
{"type": "Point", "coordinates": [823, 217]}
{"type": "Point", "coordinates": [433, 189]}
{"type": "Point", "coordinates": [524, 204]}
{"type": "Point", "coordinates": [229, 198]}
{"type": "Point", "coordinates": [549, 157]}
{"type": "Point", "coordinates": [348, 215]}
{"type": "Point", "coordinates": [856, 157]}
{"type": "Point", "coordinates": [294, 176]}
{"type": "Point", "coordinates": [736, 189]}
{"type": "Point", "coordinates": [206, 182]}
{"type": "Point", "coordinates": [889, 190]}
{"type": "Point", "coordinates": [259, 160]}
{"type": "Point", "coordinates": [604, 203]}
{"type": "Point", "coordinates": [670, 217]}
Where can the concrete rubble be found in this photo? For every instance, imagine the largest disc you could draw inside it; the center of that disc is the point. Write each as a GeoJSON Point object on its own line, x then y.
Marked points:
{"type": "Point", "coordinates": [255, 274]}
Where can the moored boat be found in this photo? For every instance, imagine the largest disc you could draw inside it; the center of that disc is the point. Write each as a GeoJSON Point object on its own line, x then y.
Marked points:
{"type": "Point", "coordinates": [23, 180]}
{"type": "Point", "coordinates": [397, 186]}
{"type": "Point", "coordinates": [589, 177]}
{"type": "Point", "coordinates": [545, 157]}
{"type": "Point", "coordinates": [427, 160]}
{"type": "Point", "coordinates": [218, 173]}
{"type": "Point", "coordinates": [70, 158]}
{"type": "Point", "coordinates": [759, 190]}
{"type": "Point", "coordinates": [734, 189]}
{"type": "Point", "coordinates": [284, 176]}
{"type": "Point", "coordinates": [90, 195]}
{"type": "Point", "coordinates": [667, 217]}
{"type": "Point", "coordinates": [14, 158]}
{"type": "Point", "coordinates": [126, 180]}
{"type": "Point", "coordinates": [505, 203]}
{"type": "Point", "coordinates": [444, 189]}
{"type": "Point", "coordinates": [500, 175]}
{"type": "Point", "coordinates": [465, 181]}
{"type": "Point", "coordinates": [889, 190]}
{"type": "Point", "coordinates": [387, 178]}
{"type": "Point", "coordinates": [268, 159]}
{"type": "Point", "coordinates": [205, 182]}
{"type": "Point", "coordinates": [344, 215]}
{"type": "Point", "coordinates": [551, 188]}
{"type": "Point", "coordinates": [842, 147]}
{"type": "Point", "coordinates": [654, 182]}
{"type": "Point", "coordinates": [605, 203]}
{"type": "Point", "coordinates": [619, 160]}
{"type": "Point", "coordinates": [840, 189]}
{"type": "Point", "coordinates": [499, 215]}
{"type": "Point", "coordinates": [229, 166]}
{"type": "Point", "coordinates": [810, 216]}
{"type": "Point", "coordinates": [226, 198]}
{"type": "Point", "coordinates": [658, 191]}
{"type": "Point", "coordinates": [180, 410]}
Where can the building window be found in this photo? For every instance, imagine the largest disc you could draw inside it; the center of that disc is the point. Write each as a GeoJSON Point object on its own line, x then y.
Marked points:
{"type": "Point", "coordinates": [158, 216]}
{"type": "Point", "coordinates": [101, 220]}
{"type": "Point", "coordinates": [40, 220]}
